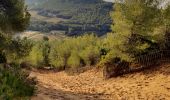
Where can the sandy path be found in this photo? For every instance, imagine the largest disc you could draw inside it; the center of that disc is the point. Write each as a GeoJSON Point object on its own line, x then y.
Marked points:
{"type": "Point", "coordinates": [91, 86]}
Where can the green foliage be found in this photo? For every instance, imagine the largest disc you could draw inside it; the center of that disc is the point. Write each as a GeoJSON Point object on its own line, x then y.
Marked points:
{"type": "Point", "coordinates": [110, 57]}
{"type": "Point", "coordinates": [82, 11]}
{"type": "Point", "coordinates": [15, 84]}
{"type": "Point", "coordinates": [22, 46]}
{"type": "Point", "coordinates": [39, 54]}
{"type": "Point", "coordinates": [14, 49]}
{"type": "Point", "coordinates": [90, 55]}
{"type": "Point", "coordinates": [74, 60]}
{"type": "Point", "coordinates": [135, 27]}
{"type": "Point", "coordinates": [75, 52]}
{"type": "Point", "coordinates": [46, 50]}
{"type": "Point", "coordinates": [5, 41]}
{"type": "Point", "coordinates": [139, 27]}
{"type": "Point", "coordinates": [35, 57]}
{"type": "Point", "coordinates": [19, 48]}
{"type": "Point", "coordinates": [13, 15]}
{"type": "Point", "coordinates": [13, 18]}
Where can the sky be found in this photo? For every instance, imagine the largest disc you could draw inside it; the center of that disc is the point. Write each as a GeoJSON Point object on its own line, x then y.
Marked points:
{"type": "Point", "coordinates": [114, 0]}
{"type": "Point", "coordinates": [109, 0]}
{"type": "Point", "coordinates": [163, 4]}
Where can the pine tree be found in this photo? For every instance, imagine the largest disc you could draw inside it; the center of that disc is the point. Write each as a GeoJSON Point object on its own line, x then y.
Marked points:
{"type": "Point", "coordinates": [135, 24]}
{"type": "Point", "coordinates": [13, 15]}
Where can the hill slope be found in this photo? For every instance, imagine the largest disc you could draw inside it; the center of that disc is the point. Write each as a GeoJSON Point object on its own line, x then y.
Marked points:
{"type": "Point", "coordinates": [82, 15]}
{"type": "Point", "coordinates": [148, 85]}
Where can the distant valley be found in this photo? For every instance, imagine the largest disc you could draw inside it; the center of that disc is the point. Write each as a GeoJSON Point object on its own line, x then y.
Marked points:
{"type": "Point", "coordinates": [71, 17]}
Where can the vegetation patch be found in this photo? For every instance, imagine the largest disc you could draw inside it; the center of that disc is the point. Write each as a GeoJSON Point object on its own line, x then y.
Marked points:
{"type": "Point", "coordinates": [15, 83]}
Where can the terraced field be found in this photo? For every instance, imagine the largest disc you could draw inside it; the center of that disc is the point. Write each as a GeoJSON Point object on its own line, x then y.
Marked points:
{"type": "Point", "coordinates": [36, 16]}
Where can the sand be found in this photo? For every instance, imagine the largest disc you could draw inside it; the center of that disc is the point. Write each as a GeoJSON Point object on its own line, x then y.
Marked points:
{"type": "Point", "coordinates": [90, 85]}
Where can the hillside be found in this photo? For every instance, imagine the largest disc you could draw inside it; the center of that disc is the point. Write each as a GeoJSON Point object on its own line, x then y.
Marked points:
{"type": "Point", "coordinates": [38, 36]}
{"type": "Point", "coordinates": [148, 85]}
{"type": "Point", "coordinates": [77, 16]}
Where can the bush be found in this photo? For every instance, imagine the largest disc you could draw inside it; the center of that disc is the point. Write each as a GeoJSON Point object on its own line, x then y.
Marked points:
{"type": "Point", "coordinates": [39, 54]}
{"type": "Point", "coordinates": [74, 60]}
{"type": "Point", "coordinates": [15, 84]}
{"type": "Point", "coordinates": [18, 49]}
{"type": "Point", "coordinates": [113, 64]}
{"type": "Point", "coordinates": [35, 57]}
{"type": "Point", "coordinates": [75, 52]}
{"type": "Point", "coordinates": [90, 55]}
{"type": "Point", "coordinates": [115, 67]}
{"type": "Point", "coordinates": [60, 52]}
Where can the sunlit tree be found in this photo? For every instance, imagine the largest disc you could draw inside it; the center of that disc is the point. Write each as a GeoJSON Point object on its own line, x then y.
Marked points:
{"type": "Point", "coordinates": [137, 27]}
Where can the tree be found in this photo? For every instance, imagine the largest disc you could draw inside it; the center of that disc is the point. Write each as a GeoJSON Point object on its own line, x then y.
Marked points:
{"type": "Point", "coordinates": [14, 82]}
{"type": "Point", "coordinates": [135, 27]}
{"type": "Point", "coordinates": [13, 15]}
{"type": "Point", "coordinates": [21, 47]}
{"type": "Point", "coordinates": [46, 50]}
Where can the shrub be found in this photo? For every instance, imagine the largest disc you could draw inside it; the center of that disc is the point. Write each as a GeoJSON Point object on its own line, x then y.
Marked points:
{"type": "Point", "coordinates": [19, 49]}
{"type": "Point", "coordinates": [113, 64]}
{"type": "Point", "coordinates": [39, 54]}
{"type": "Point", "coordinates": [46, 50]}
{"type": "Point", "coordinates": [90, 55]}
{"type": "Point", "coordinates": [111, 55]}
{"type": "Point", "coordinates": [59, 54]}
{"type": "Point", "coordinates": [75, 51]}
{"type": "Point", "coordinates": [74, 60]}
{"type": "Point", "coordinates": [35, 57]}
{"type": "Point", "coordinates": [15, 84]}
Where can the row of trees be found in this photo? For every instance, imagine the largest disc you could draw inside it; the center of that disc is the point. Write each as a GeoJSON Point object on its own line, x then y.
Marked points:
{"type": "Point", "coordinates": [139, 27]}
{"type": "Point", "coordinates": [70, 28]}
{"type": "Point", "coordinates": [68, 53]}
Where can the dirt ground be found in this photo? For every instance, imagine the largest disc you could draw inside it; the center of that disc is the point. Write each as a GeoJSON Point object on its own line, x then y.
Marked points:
{"type": "Point", "coordinates": [90, 85]}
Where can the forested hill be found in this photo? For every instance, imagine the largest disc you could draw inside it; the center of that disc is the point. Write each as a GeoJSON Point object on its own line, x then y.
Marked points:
{"type": "Point", "coordinates": [82, 15]}
{"type": "Point", "coordinates": [60, 3]}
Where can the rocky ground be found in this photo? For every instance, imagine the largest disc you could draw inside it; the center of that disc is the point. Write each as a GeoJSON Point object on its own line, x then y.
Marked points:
{"type": "Point", "coordinates": [148, 85]}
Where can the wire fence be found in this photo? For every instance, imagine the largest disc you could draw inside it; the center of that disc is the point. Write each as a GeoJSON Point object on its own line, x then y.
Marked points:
{"type": "Point", "coordinates": [142, 62]}
{"type": "Point", "coordinates": [156, 57]}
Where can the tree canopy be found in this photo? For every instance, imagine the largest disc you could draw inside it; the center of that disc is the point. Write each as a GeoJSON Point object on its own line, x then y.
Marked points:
{"type": "Point", "coordinates": [13, 15]}
{"type": "Point", "coordinates": [138, 26]}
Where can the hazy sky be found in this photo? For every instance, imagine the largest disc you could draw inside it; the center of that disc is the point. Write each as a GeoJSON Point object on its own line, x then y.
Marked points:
{"type": "Point", "coordinates": [113, 0]}
{"type": "Point", "coordinates": [109, 0]}
{"type": "Point", "coordinates": [163, 4]}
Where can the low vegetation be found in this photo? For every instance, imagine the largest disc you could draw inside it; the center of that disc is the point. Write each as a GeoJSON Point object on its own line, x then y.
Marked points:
{"type": "Point", "coordinates": [15, 83]}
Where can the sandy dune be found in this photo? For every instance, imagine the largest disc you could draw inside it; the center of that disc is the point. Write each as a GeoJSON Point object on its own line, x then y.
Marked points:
{"type": "Point", "coordinates": [147, 85]}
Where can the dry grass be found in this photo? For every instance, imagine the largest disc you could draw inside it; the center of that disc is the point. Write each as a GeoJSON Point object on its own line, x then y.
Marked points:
{"type": "Point", "coordinates": [35, 15]}
{"type": "Point", "coordinates": [37, 36]}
